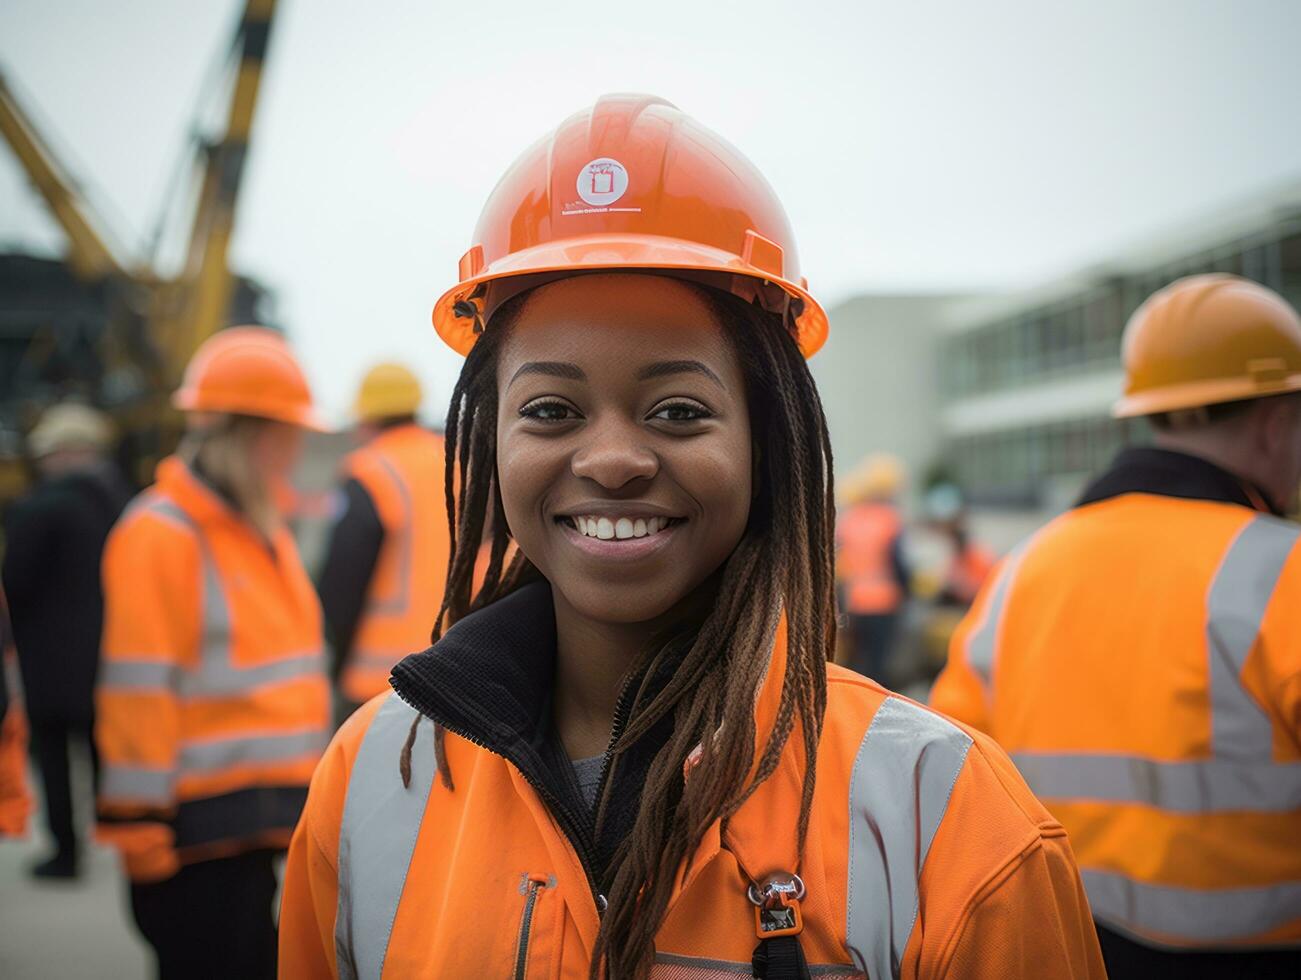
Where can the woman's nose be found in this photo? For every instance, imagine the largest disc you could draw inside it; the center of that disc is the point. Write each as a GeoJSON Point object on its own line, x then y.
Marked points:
{"type": "Point", "coordinates": [613, 455]}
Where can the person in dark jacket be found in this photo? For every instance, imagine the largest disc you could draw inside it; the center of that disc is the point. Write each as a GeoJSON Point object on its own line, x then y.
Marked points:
{"type": "Point", "coordinates": [54, 538]}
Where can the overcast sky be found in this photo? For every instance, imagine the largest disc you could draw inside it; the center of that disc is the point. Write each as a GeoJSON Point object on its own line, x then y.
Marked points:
{"type": "Point", "coordinates": [917, 146]}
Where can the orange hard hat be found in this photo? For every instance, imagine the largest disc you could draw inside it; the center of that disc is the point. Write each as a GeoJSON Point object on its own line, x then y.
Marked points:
{"type": "Point", "coordinates": [247, 371]}
{"type": "Point", "coordinates": [631, 183]}
{"type": "Point", "coordinates": [1209, 339]}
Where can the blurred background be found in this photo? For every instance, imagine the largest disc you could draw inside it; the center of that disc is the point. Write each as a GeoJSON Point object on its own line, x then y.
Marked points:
{"type": "Point", "coordinates": [982, 194]}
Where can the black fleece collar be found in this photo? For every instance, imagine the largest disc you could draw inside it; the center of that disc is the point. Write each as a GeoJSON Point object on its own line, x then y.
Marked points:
{"type": "Point", "coordinates": [1174, 474]}
{"type": "Point", "coordinates": [490, 680]}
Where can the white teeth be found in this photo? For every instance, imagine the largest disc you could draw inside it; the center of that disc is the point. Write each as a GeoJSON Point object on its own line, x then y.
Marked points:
{"type": "Point", "coordinates": [620, 528]}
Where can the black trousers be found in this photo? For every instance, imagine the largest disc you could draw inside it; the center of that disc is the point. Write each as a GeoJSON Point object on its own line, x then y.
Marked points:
{"type": "Point", "coordinates": [1128, 960]}
{"type": "Point", "coordinates": [50, 744]}
{"type": "Point", "coordinates": [212, 919]}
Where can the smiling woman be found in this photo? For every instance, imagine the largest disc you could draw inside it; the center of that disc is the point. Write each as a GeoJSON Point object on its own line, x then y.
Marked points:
{"type": "Point", "coordinates": [626, 754]}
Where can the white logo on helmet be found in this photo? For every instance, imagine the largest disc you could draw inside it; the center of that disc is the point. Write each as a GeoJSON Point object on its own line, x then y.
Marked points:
{"type": "Point", "coordinates": [602, 182]}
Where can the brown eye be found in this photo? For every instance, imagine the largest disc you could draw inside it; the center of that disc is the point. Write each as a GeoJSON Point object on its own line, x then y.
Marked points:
{"type": "Point", "coordinates": [548, 411]}
{"type": "Point", "coordinates": [682, 412]}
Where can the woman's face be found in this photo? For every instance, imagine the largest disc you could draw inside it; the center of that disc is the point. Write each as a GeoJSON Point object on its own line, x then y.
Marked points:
{"type": "Point", "coordinates": [275, 448]}
{"type": "Point", "coordinates": [623, 442]}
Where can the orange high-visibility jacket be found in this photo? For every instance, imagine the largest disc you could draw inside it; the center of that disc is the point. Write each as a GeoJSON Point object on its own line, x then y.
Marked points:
{"type": "Point", "coordinates": [15, 800]}
{"type": "Point", "coordinates": [212, 704]}
{"type": "Point", "coordinates": [402, 472]}
{"type": "Point", "coordinates": [1140, 659]}
{"type": "Point", "coordinates": [926, 856]}
{"type": "Point", "coordinates": [866, 535]}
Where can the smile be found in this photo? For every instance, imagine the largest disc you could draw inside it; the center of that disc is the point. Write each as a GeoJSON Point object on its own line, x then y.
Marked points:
{"type": "Point", "coordinates": [618, 528]}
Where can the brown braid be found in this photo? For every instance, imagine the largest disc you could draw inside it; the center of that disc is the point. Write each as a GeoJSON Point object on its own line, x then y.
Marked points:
{"type": "Point", "coordinates": [783, 563]}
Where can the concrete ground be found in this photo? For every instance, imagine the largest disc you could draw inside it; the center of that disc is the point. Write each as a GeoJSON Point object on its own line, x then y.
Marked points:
{"type": "Point", "coordinates": [66, 931]}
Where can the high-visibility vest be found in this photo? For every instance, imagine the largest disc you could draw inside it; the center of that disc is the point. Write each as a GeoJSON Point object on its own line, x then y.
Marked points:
{"type": "Point", "coordinates": [1139, 659]}
{"type": "Point", "coordinates": [865, 538]}
{"type": "Point", "coordinates": [402, 472]}
{"type": "Point", "coordinates": [15, 800]}
{"type": "Point", "coordinates": [968, 570]}
{"type": "Point", "coordinates": [212, 704]}
{"type": "Point", "coordinates": [926, 856]}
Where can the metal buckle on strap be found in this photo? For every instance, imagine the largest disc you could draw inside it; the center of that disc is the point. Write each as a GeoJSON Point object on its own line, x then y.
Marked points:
{"type": "Point", "coordinates": [776, 903]}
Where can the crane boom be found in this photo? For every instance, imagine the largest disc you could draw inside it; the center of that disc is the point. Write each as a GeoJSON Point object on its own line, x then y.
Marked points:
{"type": "Point", "coordinates": [88, 253]}
{"type": "Point", "coordinates": [206, 276]}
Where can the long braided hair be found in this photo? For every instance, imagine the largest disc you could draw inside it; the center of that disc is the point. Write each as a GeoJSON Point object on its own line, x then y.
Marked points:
{"type": "Point", "coordinates": [783, 564]}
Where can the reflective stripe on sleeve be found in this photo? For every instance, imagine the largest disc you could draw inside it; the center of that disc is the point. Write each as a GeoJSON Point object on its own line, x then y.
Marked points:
{"type": "Point", "coordinates": [136, 784]}
{"type": "Point", "coordinates": [377, 836]}
{"type": "Point", "coordinates": [131, 676]}
{"type": "Point", "coordinates": [1236, 605]}
{"type": "Point", "coordinates": [1221, 915]}
{"type": "Point", "coordinates": [1180, 787]}
{"type": "Point", "coordinates": [213, 755]}
{"type": "Point", "coordinates": [982, 641]}
{"type": "Point", "coordinates": [903, 775]}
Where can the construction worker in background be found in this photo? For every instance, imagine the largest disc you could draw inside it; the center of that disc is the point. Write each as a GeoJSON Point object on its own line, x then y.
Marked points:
{"type": "Point", "coordinates": [608, 766]}
{"type": "Point", "coordinates": [213, 702]}
{"type": "Point", "coordinates": [870, 564]}
{"type": "Point", "coordinates": [970, 562]}
{"type": "Point", "coordinates": [382, 583]}
{"type": "Point", "coordinates": [15, 801]}
{"type": "Point", "coordinates": [54, 541]}
{"type": "Point", "coordinates": [1140, 657]}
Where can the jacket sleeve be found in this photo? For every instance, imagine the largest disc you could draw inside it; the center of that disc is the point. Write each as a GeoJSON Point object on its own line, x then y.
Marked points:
{"type": "Point", "coordinates": [1032, 920]}
{"type": "Point", "coordinates": [310, 898]}
{"type": "Point", "coordinates": [349, 564]}
{"type": "Point", "coordinates": [151, 577]}
{"type": "Point", "coordinates": [959, 691]}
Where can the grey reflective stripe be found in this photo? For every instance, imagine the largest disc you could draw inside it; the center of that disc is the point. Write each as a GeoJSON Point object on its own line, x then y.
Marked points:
{"type": "Point", "coordinates": [1180, 787]}
{"type": "Point", "coordinates": [217, 678]}
{"type": "Point", "coordinates": [1222, 915]}
{"type": "Point", "coordinates": [902, 778]}
{"type": "Point", "coordinates": [682, 967]}
{"type": "Point", "coordinates": [397, 604]}
{"type": "Point", "coordinates": [377, 836]}
{"type": "Point", "coordinates": [124, 675]}
{"type": "Point", "coordinates": [982, 641]}
{"type": "Point", "coordinates": [216, 675]}
{"type": "Point", "coordinates": [1236, 605]}
{"type": "Point", "coordinates": [135, 784]}
{"type": "Point", "coordinates": [217, 754]}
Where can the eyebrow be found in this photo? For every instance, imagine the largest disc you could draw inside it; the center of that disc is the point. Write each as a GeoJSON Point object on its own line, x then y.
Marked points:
{"type": "Point", "coordinates": [661, 369]}
{"type": "Point", "coordinates": [557, 369]}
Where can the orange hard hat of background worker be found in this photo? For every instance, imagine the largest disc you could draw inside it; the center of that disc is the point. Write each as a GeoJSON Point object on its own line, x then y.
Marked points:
{"type": "Point", "coordinates": [1205, 340]}
{"type": "Point", "coordinates": [248, 371]}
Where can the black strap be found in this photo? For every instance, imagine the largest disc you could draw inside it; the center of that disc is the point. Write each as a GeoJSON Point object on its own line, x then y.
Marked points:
{"type": "Point", "coordinates": [780, 958]}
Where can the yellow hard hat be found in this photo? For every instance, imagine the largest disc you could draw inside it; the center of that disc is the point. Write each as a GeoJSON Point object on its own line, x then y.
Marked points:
{"type": "Point", "coordinates": [878, 477]}
{"type": "Point", "coordinates": [69, 425]}
{"type": "Point", "coordinates": [1209, 339]}
{"type": "Point", "coordinates": [387, 391]}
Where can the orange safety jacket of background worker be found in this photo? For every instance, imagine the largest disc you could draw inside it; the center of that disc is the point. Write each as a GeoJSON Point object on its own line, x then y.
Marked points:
{"type": "Point", "coordinates": [1140, 659]}
{"type": "Point", "coordinates": [212, 704]}
{"type": "Point", "coordinates": [401, 470]}
{"type": "Point", "coordinates": [866, 536]}
{"type": "Point", "coordinates": [926, 855]}
{"type": "Point", "coordinates": [15, 799]}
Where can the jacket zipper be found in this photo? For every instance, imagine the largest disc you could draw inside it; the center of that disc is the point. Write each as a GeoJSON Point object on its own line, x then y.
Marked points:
{"type": "Point", "coordinates": [565, 817]}
{"type": "Point", "coordinates": [525, 928]}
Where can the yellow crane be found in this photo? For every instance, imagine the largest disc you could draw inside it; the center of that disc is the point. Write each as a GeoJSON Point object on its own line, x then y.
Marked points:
{"type": "Point", "coordinates": [152, 322]}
